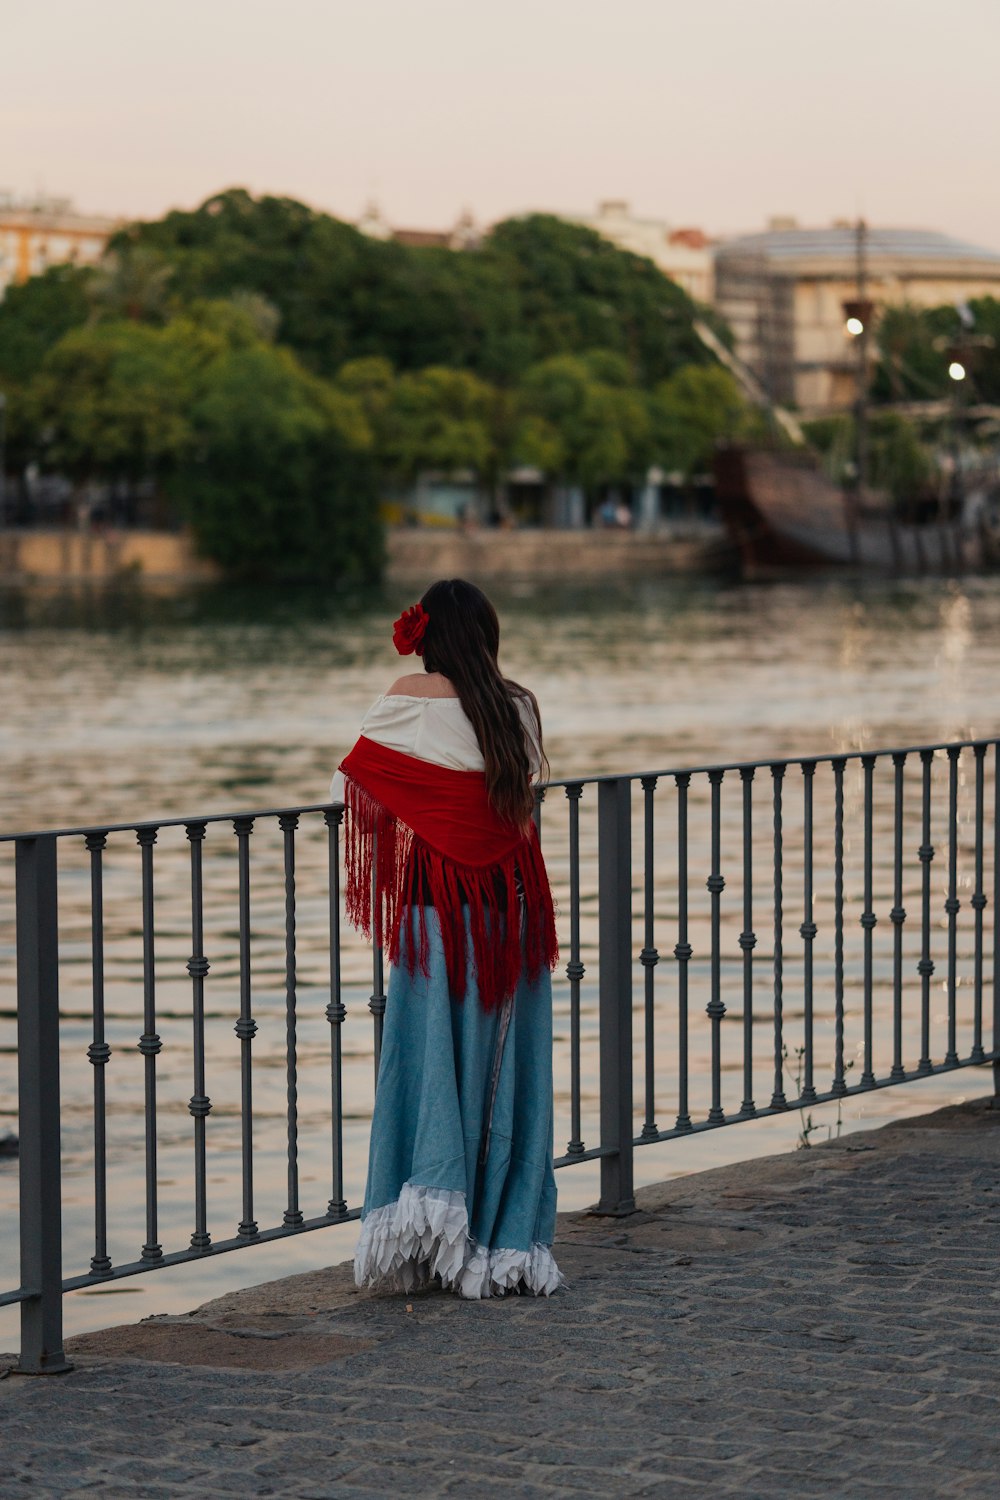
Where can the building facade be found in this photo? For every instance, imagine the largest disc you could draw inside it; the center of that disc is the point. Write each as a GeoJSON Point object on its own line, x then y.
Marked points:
{"type": "Point", "coordinates": [43, 232]}
{"type": "Point", "coordinates": [465, 234]}
{"type": "Point", "coordinates": [782, 293]}
{"type": "Point", "coordinates": [685, 255]}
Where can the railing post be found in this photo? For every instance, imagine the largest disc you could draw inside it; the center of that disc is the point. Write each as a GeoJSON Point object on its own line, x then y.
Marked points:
{"type": "Point", "coordinates": [614, 858]}
{"type": "Point", "coordinates": [996, 920]}
{"type": "Point", "coordinates": [38, 1108]}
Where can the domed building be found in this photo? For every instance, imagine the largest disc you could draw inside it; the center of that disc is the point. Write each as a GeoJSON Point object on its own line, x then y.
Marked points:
{"type": "Point", "coordinates": [783, 294]}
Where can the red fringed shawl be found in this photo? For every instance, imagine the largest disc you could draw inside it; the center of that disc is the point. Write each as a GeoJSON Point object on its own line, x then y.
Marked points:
{"type": "Point", "coordinates": [430, 836]}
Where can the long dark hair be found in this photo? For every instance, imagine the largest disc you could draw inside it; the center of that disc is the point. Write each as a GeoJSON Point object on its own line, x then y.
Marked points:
{"type": "Point", "coordinates": [462, 642]}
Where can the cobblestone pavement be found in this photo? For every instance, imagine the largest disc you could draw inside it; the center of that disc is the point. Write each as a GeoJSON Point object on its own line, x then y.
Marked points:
{"type": "Point", "coordinates": [818, 1324]}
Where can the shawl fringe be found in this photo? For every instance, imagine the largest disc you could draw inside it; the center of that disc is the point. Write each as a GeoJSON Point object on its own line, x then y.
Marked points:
{"type": "Point", "coordinates": [392, 873]}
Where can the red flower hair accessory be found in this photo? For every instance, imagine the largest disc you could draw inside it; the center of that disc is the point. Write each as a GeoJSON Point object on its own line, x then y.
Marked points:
{"type": "Point", "coordinates": [408, 631]}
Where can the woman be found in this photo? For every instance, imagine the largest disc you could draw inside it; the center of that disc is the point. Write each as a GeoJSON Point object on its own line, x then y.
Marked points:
{"type": "Point", "coordinates": [439, 801]}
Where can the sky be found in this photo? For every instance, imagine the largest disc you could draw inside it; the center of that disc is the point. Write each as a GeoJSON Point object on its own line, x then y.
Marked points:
{"type": "Point", "coordinates": [718, 113]}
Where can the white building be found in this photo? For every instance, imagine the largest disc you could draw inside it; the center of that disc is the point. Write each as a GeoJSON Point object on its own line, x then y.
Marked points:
{"type": "Point", "coordinates": [682, 254]}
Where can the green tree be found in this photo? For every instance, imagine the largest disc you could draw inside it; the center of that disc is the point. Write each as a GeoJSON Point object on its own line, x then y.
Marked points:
{"type": "Point", "coordinates": [578, 426]}
{"type": "Point", "coordinates": [578, 292]}
{"type": "Point", "coordinates": [270, 465]}
{"type": "Point", "coordinates": [916, 346]}
{"type": "Point", "coordinates": [133, 283]}
{"type": "Point", "coordinates": [900, 463]}
{"type": "Point", "coordinates": [440, 419]}
{"type": "Point", "coordinates": [35, 315]}
{"type": "Point", "coordinates": [33, 318]}
{"type": "Point", "coordinates": [279, 482]}
{"type": "Point", "coordinates": [691, 412]}
{"type": "Point", "coordinates": [985, 360]}
{"type": "Point", "coordinates": [536, 287]}
{"type": "Point", "coordinates": [913, 362]}
{"type": "Point", "coordinates": [110, 401]}
{"type": "Point", "coordinates": [370, 381]}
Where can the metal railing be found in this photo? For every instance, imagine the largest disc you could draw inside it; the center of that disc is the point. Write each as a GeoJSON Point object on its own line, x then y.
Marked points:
{"type": "Point", "coordinates": [839, 838]}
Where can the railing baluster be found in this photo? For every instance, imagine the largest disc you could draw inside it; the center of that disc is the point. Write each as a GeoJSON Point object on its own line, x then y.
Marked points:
{"type": "Point", "coordinates": [682, 951]}
{"type": "Point", "coordinates": [897, 917]}
{"type": "Point", "coordinates": [868, 921]}
{"type": "Point", "coordinates": [778, 1100]}
{"type": "Point", "coordinates": [978, 905]}
{"type": "Point", "coordinates": [925, 968]}
{"type": "Point", "coordinates": [649, 958]}
{"type": "Point", "coordinates": [149, 1043]}
{"type": "Point", "coordinates": [336, 1015]}
{"type": "Point", "coordinates": [199, 1104]}
{"type": "Point", "coordinates": [952, 906]}
{"type": "Point", "coordinates": [574, 969]}
{"type": "Point", "coordinates": [536, 812]}
{"type": "Point", "coordinates": [246, 1026]}
{"type": "Point", "coordinates": [376, 1003]}
{"type": "Point", "coordinates": [748, 941]}
{"type": "Point", "coordinates": [99, 1054]}
{"type": "Point", "coordinates": [715, 1009]}
{"type": "Point", "coordinates": [807, 931]}
{"type": "Point", "coordinates": [288, 823]}
{"type": "Point", "coordinates": [839, 1082]}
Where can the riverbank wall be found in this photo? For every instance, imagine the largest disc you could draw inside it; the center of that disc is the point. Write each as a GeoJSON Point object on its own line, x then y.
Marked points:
{"type": "Point", "coordinates": [413, 554]}
{"type": "Point", "coordinates": [71, 556]}
{"type": "Point", "coordinates": [544, 553]}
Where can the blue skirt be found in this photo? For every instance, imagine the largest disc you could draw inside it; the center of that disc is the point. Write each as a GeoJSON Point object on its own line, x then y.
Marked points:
{"type": "Point", "coordinates": [460, 1180]}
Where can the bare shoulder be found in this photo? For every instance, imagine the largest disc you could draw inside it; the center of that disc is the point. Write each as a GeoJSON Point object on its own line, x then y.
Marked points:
{"type": "Point", "coordinates": [422, 685]}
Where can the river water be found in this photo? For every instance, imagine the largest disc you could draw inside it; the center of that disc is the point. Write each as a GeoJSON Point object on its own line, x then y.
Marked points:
{"type": "Point", "coordinates": [120, 707]}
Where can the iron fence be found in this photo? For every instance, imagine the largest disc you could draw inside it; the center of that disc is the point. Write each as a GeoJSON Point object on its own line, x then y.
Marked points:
{"type": "Point", "coordinates": [815, 850]}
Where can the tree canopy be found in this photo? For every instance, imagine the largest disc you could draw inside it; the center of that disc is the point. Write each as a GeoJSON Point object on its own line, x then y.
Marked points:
{"type": "Point", "coordinates": [916, 346]}
{"type": "Point", "coordinates": [278, 478]}
{"type": "Point", "coordinates": [269, 367]}
{"type": "Point", "coordinates": [537, 286]}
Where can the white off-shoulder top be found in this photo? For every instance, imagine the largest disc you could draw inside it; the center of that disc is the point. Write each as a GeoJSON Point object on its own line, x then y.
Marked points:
{"type": "Point", "coordinates": [433, 729]}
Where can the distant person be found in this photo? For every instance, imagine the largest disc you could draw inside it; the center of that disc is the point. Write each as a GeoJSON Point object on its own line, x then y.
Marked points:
{"type": "Point", "coordinates": [607, 514]}
{"type": "Point", "coordinates": [438, 813]}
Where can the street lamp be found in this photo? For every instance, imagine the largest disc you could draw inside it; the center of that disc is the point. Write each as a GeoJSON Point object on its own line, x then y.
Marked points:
{"type": "Point", "coordinates": [859, 318]}
{"type": "Point", "coordinates": [956, 370]}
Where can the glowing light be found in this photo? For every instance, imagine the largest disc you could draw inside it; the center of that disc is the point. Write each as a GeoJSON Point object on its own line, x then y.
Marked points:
{"type": "Point", "coordinates": [956, 371]}
{"type": "Point", "coordinates": [855, 327]}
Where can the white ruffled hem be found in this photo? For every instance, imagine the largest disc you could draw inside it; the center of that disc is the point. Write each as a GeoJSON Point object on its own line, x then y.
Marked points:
{"type": "Point", "coordinates": [425, 1233]}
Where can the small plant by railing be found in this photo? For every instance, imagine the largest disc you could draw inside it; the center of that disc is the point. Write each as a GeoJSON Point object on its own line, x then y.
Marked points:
{"type": "Point", "coordinates": [808, 1127]}
{"type": "Point", "coordinates": [692, 1003]}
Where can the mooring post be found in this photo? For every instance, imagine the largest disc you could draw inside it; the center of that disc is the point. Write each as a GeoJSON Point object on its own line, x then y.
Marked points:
{"type": "Point", "coordinates": [38, 1107]}
{"type": "Point", "coordinates": [615, 936]}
